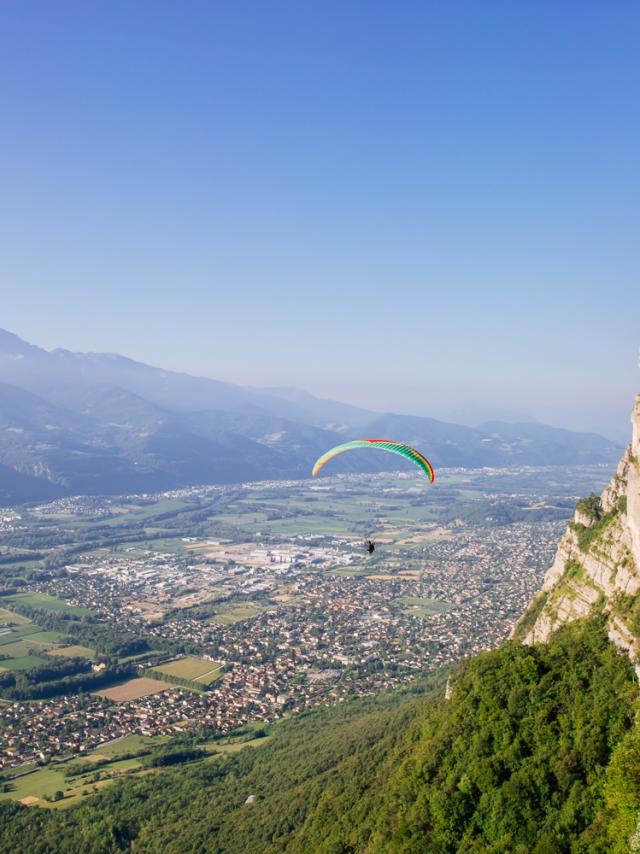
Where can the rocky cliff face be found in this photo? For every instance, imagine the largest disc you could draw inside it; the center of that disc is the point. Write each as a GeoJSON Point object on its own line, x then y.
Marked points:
{"type": "Point", "coordinates": [597, 565]}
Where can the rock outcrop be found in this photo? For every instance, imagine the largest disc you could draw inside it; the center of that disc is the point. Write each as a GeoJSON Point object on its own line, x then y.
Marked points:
{"type": "Point", "coordinates": [597, 565]}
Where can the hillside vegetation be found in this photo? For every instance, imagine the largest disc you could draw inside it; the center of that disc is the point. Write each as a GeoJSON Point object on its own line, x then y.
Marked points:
{"type": "Point", "coordinates": [535, 752]}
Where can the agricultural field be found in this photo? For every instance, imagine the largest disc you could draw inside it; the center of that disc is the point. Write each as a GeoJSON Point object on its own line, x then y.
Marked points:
{"type": "Point", "coordinates": [46, 603]}
{"type": "Point", "coordinates": [145, 547]}
{"type": "Point", "coordinates": [234, 612]}
{"type": "Point", "coordinates": [102, 767]}
{"type": "Point", "coordinates": [31, 788]}
{"type": "Point", "coordinates": [37, 641]}
{"type": "Point", "coordinates": [396, 505]}
{"type": "Point", "coordinates": [122, 513]}
{"type": "Point", "coordinates": [129, 744]}
{"type": "Point", "coordinates": [19, 643]}
{"type": "Point", "coordinates": [74, 650]}
{"type": "Point", "coordinates": [24, 645]}
{"type": "Point", "coordinates": [189, 667]}
{"type": "Point", "coordinates": [212, 676]}
{"type": "Point", "coordinates": [231, 746]}
{"type": "Point", "coordinates": [356, 571]}
{"type": "Point", "coordinates": [16, 633]}
{"type": "Point", "coordinates": [17, 648]}
{"type": "Point", "coordinates": [173, 545]}
{"type": "Point", "coordinates": [78, 777]}
{"type": "Point", "coordinates": [22, 662]}
{"type": "Point", "coordinates": [134, 689]}
{"type": "Point", "coordinates": [418, 607]}
{"type": "Point", "coordinates": [7, 616]}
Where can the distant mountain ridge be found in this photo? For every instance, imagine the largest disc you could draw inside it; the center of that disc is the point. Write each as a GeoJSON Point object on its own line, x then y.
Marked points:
{"type": "Point", "coordinates": [101, 423]}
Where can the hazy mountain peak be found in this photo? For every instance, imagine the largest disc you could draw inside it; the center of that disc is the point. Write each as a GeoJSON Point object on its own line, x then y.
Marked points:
{"type": "Point", "coordinates": [476, 415]}
{"type": "Point", "coordinates": [11, 344]}
{"type": "Point", "coordinates": [122, 425]}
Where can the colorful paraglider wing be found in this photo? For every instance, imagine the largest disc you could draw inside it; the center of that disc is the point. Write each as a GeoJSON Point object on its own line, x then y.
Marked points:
{"type": "Point", "coordinates": [384, 445]}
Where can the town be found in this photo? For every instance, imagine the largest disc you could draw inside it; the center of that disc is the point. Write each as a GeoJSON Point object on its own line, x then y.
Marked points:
{"type": "Point", "coordinates": [260, 601]}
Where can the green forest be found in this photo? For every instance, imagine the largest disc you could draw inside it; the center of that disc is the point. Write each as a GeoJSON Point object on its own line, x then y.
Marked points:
{"type": "Point", "coordinates": [534, 752]}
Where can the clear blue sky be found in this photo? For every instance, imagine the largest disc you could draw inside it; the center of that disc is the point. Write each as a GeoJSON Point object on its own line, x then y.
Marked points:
{"type": "Point", "coordinates": [411, 206]}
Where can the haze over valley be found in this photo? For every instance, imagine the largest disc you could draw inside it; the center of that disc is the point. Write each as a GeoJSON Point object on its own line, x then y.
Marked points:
{"type": "Point", "coordinates": [100, 423]}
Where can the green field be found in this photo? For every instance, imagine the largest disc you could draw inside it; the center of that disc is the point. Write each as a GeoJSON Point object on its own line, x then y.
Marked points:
{"type": "Point", "coordinates": [131, 744]}
{"type": "Point", "coordinates": [23, 662]}
{"type": "Point", "coordinates": [235, 746]}
{"type": "Point", "coordinates": [16, 649]}
{"type": "Point", "coordinates": [211, 676]}
{"type": "Point", "coordinates": [75, 650]}
{"type": "Point", "coordinates": [423, 607]}
{"type": "Point", "coordinates": [235, 612]}
{"type": "Point", "coordinates": [140, 547]}
{"type": "Point", "coordinates": [311, 525]}
{"type": "Point", "coordinates": [27, 638]}
{"type": "Point", "coordinates": [37, 641]}
{"type": "Point", "coordinates": [23, 640]}
{"type": "Point", "coordinates": [189, 667]}
{"type": "Point", "coordinates": [45, 782]}
{"type": "Point", "coordinates": [355, 570]}
{"type": "Point", "coordinates": [40, 783]}
{"type": "Point", "coordinates": [105, 762]}
{"type": "Point", "coordinates": [11, 617]}
{"type": "Point", "coordinates": [340, 510]}
{"type": "Point", "coordinates": [18, 633]}
{"type": "Point", "coordinates": [45, 602]}
{"type": "Point", "coordinates": [46, 638]}
{"type": "Point", "coordinates": [166, 545]}
{"type": "Point", "coordinates": [125, 513]}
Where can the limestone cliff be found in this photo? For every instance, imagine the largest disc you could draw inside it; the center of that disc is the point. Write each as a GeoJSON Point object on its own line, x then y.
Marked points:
{"type": "Point", "coordinates": [597, 565]}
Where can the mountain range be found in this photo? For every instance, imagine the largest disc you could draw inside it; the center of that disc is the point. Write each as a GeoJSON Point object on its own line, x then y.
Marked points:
{"type": "Point", "coordinates": [101, 423]}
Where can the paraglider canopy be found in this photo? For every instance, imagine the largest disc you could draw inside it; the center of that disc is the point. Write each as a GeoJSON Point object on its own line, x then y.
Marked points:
{"type": "Point", "coordinates": [382, 445]}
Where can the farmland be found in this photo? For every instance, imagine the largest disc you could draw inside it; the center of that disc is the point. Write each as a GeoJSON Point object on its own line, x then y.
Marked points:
{"type": "Point", "coordinates": [74, 650]}
{"type": "Point", "coordinates": [45, 603]}
{"type": "Point", "coordinates": [11, 617]}
{"type": "Point", "coordinates": [12, 634]}
{"type": "Point", "coordinates": [236, 612]}
{"type": "Point", "coordinates": [190, 668]}
{"type": "Point", "coordinates": [35, 643]}
{"type": "Point", "coordinates": [22, 662]}
{"type": "Point", "coordinates": [77, 777]}
{"type": "Point", "coordinates": [419, 607]}
{"type": "Point", "coordinates": [133, 689]}
{"type": "Point", "coordinates": [23, 644]}
{"type": "Point", "coordinates": [130, 744]}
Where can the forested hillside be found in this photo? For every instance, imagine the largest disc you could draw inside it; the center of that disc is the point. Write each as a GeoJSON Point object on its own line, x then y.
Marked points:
{"type": "Point", "coordinates": [534, 752]}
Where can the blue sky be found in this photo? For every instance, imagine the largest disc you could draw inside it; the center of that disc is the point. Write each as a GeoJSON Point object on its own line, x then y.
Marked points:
{"type": "Point", "coordinates": [410, 206]}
